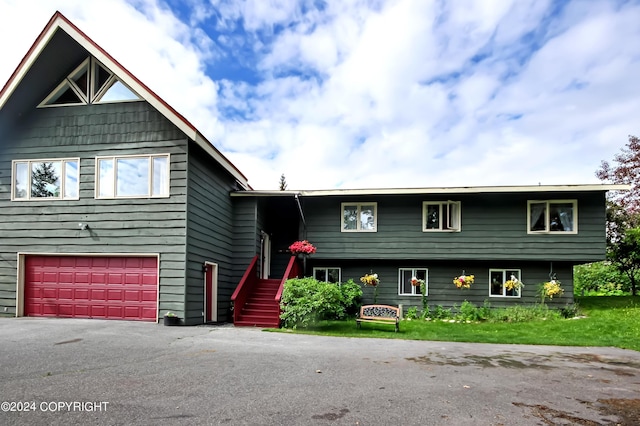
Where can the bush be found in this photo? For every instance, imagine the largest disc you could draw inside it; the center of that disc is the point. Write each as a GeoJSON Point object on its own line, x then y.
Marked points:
{"type": "Point", "coordinates": [441, 313]}
{"type": "Point", "coordinates": [306, 301]}
{"type": "Point", "coordinates": [351, 297]}
{"type": "Point", "coordinates": [468, 312]}
{"type": "Point", "coordinates": [570, 310]}
{"type": "Point", "coordinates": [599, 279]}
{"type": "Point", "coordinates": [412, 313]}
{"type": "Point", "coordinates": [519, 313]}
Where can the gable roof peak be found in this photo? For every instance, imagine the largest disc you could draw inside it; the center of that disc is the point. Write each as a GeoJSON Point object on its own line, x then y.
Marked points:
{"type": "Point", "coordinates": [59, 22]}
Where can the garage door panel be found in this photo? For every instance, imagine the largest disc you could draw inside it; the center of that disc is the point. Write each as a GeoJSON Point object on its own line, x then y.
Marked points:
{"type": "Point", "coordinates": [91, 287]}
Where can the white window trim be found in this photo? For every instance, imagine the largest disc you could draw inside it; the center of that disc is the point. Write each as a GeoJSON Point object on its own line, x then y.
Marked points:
{"type": "Point", "coordinates": [114, 158]}
{"type": "Point", "coordinates": [88, 95]}
{"type": "Point", "coordinates": [413, 289]}
{"type": "Point", "coordinates": [443, 215]}
{"type": "Point", "coordinates": [358, 226]}
{"type": "Point", "coordinates": [504, 279]}
{"type": "Point", "coordinates": [62, 179]}
{"type": "Point", "coordinates": [326, 269]}
{"type": "Point", "coordinates": [547, 214]}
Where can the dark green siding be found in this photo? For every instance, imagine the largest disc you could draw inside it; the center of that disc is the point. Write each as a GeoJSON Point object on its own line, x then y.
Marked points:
{"type": "Point", "coordinates": [494, 227]}
{"type": "Point", "coordinates": [210, 233]}
{"type": "Point", "coordinates": [247, 223]}
{"type": "Point", "coordinates": [116, 226]}
{"type": "Point", "coordinates": [442, 291]}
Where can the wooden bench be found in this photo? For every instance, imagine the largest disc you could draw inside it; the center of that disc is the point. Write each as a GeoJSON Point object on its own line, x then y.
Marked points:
{"type": "Point", "coordinates": [381, 314]}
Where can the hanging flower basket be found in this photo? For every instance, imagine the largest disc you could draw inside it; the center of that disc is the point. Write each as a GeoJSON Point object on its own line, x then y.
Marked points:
{"type": "Point", "coordinates": [513, 283]}
{"type": "Point", "coordinates": [464, 281]}
{"type": "Point", "coordinates": [550, 289]}
{"type": "Point", "coordinates": [416, 282]}
{"type": "Point", "coordinates": [302, 247]}
{"type": "Point", "coordinates": [370, 279]}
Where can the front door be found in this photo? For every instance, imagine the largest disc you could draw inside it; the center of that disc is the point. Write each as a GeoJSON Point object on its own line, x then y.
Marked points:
{"type": "Point", "coordinates": [210, 292]}
{"type": "Point", "coordinates": [265, 256]}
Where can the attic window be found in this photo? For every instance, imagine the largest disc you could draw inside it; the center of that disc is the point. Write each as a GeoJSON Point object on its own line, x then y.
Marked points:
{"type": "Point", "coordinates": [90, 83]}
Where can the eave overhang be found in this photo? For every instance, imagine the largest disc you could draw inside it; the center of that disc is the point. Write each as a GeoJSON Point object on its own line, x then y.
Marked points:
{"type": "Point", "coordinates": [437, 190]}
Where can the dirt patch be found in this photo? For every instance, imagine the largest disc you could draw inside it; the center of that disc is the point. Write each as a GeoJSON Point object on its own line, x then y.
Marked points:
{"type": "Point", "coordinates": [625, 411]}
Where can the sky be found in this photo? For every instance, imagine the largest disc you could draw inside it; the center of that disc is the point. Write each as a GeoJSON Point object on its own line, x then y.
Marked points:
{"type": "Point", "coordinates": [344, 94]}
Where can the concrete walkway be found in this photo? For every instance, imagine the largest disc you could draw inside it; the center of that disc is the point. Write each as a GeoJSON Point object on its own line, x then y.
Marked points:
{"type": "Point", "coordinates": [79, 372]}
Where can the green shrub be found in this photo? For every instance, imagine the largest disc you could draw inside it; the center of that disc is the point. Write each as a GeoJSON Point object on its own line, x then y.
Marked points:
{"type": "Point", "coordinates": [570, 310]}
{"type": "Point", "coordinates": [468, 312]}
{"type": "Point", "coordinates": [519, 313]}
{"type": "Point", "coordinates": [306, 301]}
{"type": "Point", "coordinates": [599, 279]}
{"type": "Point", "coordinates": [351, 297]}
{"type": "Point", "coordinates": [441, 313]}
{"type": "Point", "coordinates": [412, 313]}
{"type": "Point", "coordinates": [484, 312]}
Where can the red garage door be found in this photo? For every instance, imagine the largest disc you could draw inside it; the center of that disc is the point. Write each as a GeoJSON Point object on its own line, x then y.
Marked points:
{"type": "Point", "coordinates": [91, 287]}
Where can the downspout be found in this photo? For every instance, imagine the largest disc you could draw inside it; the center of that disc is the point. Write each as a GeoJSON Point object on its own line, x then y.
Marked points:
{"type": "Point", "coordinates": [304, 223]}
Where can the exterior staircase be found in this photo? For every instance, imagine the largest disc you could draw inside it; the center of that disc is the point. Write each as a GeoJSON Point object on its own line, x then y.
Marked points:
{"type": "Point", "coordinates": [260, 308]}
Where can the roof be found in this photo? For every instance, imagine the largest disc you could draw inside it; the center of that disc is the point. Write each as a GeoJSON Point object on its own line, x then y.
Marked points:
{"type": "Point", "coordinates": [436, 190]}
{"type": "Point", "coordinates": [41, 52]}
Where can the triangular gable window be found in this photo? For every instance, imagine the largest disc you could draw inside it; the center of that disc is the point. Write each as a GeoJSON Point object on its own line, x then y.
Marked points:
{"type": "Point", "coordinates": [90, 78]}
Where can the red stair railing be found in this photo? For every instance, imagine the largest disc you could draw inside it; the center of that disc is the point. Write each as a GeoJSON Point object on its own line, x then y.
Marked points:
{"type": "Point", "coordinates": [247, 284]}
{"type": "Point", "coordinates": [292, 271]}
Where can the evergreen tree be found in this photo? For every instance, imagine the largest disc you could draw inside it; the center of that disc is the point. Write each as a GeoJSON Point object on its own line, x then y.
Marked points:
{"type": "Point", "coordinates": [283, 183]}
{"type": "Point", "coordinates": [45, 181]}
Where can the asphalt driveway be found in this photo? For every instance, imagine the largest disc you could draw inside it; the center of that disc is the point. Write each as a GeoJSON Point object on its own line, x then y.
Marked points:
{"type": "Point", "coordinates": [78, 372]}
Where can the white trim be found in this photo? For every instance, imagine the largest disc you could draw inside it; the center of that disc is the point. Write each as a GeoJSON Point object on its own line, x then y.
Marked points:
{"type": "Point", "coordinates": [326, 272]}
{"type": "Point", "coordinates": [359, 206]}
{"type": "Point", "coordinates": [115, 158]}
{"type": "Point", "coordinates": [62, 161]}
{"type": "Point", "coordinates": [21, 272]}
{"type": "Point", "coordinates": [413, 289]}
{"type": "Point", "coordinates": [504, 279]}
{"type": "Point", "coordinates": [443, 215]}
{"type": "Point", "coordinates": [214, 287]}
{"type": "Point", "coordinates": [548, 202]}
{"type": "Point", "coordinates": [438, 190]}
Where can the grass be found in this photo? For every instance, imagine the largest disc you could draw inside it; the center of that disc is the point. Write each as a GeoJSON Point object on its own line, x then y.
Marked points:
{"type": "Point", "coordinates": [608, 321]}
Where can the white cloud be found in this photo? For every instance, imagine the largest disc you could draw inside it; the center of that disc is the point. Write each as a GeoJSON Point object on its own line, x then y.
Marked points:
{"type": "Point", "coordinates": [379, 93]}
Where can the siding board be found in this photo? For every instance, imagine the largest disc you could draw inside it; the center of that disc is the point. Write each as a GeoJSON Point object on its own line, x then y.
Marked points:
{"type": "Point", "coordinates": [116, 226]}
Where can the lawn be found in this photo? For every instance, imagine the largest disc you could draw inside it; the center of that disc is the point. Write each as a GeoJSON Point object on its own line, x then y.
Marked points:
{"type": "Point", "coordinates": [605, 321]}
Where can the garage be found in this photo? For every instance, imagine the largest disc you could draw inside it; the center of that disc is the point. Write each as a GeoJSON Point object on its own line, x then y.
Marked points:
{"type": "Point", "coordinates": [114, 287]}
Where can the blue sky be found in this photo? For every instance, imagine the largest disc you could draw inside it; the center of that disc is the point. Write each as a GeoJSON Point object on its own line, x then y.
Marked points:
{"type": "Point", "coordinates": [374, 93]}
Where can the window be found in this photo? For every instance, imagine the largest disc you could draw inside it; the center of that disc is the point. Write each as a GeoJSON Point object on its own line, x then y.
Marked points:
{"type": "Point", "coordinates": [90, 82]}
{"type": "Point", "coordinates": [359, 217]}
{"type": "Point", "coordinates": [497, 278]}
{"type": "Point", "coordinates": [404, 282]}
{"type": "Point", "coordinates": [330, 275]}
{"type": "Point", "coordinates": [55, 179]}
{"type": "Point", "coordinates": [552, 216]}
{"type": "Point", "coordinates": [135, 176]}
{"type": "Point", "coordinates": [441, 216]}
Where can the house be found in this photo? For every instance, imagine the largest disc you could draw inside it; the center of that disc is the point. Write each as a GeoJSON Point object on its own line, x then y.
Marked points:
{"type": "Point", "coordinates": [533, 233]}
{"type": "Point", "coordinates": [114, 206]}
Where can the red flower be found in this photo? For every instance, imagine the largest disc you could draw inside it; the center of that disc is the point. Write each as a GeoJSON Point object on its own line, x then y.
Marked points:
{"type": "Point", "coordinates": [302, 247]}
